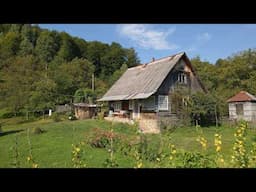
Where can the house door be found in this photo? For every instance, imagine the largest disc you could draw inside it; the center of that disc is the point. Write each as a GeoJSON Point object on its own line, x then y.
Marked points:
{"type": "Point", "coordinates": [136, 109]}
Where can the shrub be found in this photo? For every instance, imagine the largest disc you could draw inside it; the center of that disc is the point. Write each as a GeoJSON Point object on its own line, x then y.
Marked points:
{"type": "Point", "coordinates": [7, 115]}
{"type": "Point", "coordinates": [101, 115]}
{"type": "Point", "coordinates": [71, 116]}
{"type": "Point", "coordinates": [101, 138]}
{"type": "Point", "coordinates": [196, 160]}
{"type": "Point", "coordinates": [56, 117]}
{"type": "Point", "coordinates": [37, 130]}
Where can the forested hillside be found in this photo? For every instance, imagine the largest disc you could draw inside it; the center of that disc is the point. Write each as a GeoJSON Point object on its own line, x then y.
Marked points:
{"type": "Point", "coordinates": [40, 68]}
{"type": "Point", "coordinates": [227, 77]}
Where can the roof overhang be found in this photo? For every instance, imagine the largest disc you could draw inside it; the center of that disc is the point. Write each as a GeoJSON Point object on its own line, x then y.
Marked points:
{"type": "Point", "coordinates": [127, 97]}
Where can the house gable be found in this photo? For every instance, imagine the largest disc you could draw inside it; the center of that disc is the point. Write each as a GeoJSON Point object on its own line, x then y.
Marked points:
{"type": "Point", "coordinates": [191, 80]}
{"type": "Point", "coordinates": [143, 81]}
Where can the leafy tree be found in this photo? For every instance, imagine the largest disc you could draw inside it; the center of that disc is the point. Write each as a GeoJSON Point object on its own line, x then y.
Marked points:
{"type": "Point", "coordinates": [9, 45]}
{"type": "Point", "coordinates": [68, 48]}
{"type": "Point", "coordinates": [43, 94]}
{"type": "Point", "coordinates": [46, 46]}
{"type": "Point", "coordinates": [18, 78]}
{"type": "Point", "coordinates": [131, 57]}
{"type": "Point", "coordinates": [117, 74]}
{"type": "Point", "coordinates": [84, 95]}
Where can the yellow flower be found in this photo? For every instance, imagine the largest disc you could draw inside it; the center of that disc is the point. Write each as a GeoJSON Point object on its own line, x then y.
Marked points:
{"type": "Point", "coordinates": [139, 165]}
{"type": "Point", "coordinates": [171, 158]}
{"type": "Point", "coordinates": [174, 152]}
{"type": "Point", "coordinates": [222, 160]}
{"type": "Point", "coordinates": [218, 148]}
{"type": "Point", "coordinates": [158, 159]}
{"type": "Point", "coordinates": [77, 149]}
{"type": "Point", "coordinates": [28, 158]}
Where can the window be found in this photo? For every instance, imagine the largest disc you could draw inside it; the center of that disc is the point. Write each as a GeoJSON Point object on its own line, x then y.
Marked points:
{"type": "Point", "coordinates": [117, 106]}
{"type": "Point", "coordinates": [163, 102]}
{"type": "Point", "coordinates": [149, 103]}
{"type": "Point", "coordinates": [182, 78]}
{"type": "Point", "coordinates": [239, 109]}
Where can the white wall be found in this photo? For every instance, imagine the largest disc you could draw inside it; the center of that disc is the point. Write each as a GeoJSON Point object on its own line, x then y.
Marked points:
{"type": "Point", "coordinates": [249, 111]}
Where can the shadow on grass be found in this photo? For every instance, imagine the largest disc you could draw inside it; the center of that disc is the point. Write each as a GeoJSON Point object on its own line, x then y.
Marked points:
{"type": "Point", "coordinates": [10, 132]}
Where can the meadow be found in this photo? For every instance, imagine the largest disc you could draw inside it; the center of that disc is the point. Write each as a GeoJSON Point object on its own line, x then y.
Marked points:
{"type": "Point", "coordinates": [93, 143]}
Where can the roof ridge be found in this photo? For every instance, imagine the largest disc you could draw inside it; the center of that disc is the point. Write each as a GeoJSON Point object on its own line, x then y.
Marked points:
{"type": "Point", "coordinates": [156, 60]}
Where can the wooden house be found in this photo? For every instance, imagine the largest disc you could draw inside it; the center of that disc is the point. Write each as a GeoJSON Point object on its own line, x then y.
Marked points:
{"type": "Point", "coordinates": [242, 106]}
{"type": "Point", "coordinates": [143, 92]}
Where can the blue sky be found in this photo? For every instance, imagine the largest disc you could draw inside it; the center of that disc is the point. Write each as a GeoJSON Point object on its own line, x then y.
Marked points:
{"type": "Point", "coordinates": [209, 41]}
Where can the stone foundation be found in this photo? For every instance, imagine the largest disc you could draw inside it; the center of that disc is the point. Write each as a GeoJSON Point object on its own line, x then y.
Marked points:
{"type": "Point", "coordinates": [149, 126]}
{"type": "Point", "coordinates": [120, 120]}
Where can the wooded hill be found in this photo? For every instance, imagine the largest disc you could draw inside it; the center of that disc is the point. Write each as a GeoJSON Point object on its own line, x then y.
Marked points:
{"type": "Point", "coordinates": [40, 68]}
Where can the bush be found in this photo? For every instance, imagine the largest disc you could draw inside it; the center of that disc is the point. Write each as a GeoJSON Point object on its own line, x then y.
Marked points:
{"type": "Point", "coordinates": [196, 160]}
{"type": "Point", "coordinates": [101, 115]}
{"type": "Point", "coordinates": [71, 116]}
{"type": "Point", "coordinates": [7, 115]}
{"type": "Point", "coordinates": [37, 130]}
{"type": "Point", "coordinates": [56, 117]}
{"type": "Point", "coordinates": [102, 138]}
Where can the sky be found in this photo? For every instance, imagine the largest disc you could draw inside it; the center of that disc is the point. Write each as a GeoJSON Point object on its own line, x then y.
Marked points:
{"type": "Point", "coordinates": [209, 41]}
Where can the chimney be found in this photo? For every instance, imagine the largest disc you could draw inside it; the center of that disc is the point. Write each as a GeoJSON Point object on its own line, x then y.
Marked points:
{"type": "Point", "coordinates": [153, 59]}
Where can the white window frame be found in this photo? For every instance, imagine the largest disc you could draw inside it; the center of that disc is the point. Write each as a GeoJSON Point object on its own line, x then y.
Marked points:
{"type": "Point", "coordinates": [182, 78]}
{"type": "Point", "coordinates": [161, 98]}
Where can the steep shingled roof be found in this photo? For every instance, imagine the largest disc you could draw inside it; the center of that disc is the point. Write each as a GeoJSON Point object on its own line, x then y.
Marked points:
{"type": "Point", "coordinates": [242, 96]}
{"type": "Point", "coordinates": [142, 81]}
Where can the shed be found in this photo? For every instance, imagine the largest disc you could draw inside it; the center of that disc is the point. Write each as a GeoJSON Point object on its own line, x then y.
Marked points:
{"type": "Point", "coordinates": [242, 106]}
{"type": "Point", "coordinates": [84, 110]}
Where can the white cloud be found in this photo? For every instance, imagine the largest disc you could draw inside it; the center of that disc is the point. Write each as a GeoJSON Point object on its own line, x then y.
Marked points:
{"type": "Point", "coordinates": [204, 37]}
{"type": "Point", "coordinates": [145, 36]}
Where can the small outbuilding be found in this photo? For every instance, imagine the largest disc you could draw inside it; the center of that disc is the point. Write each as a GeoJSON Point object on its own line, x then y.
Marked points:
{"type": "Point", "coordinates": [242, 106]}
{"type": "Point", "coordinates": [84, 110]}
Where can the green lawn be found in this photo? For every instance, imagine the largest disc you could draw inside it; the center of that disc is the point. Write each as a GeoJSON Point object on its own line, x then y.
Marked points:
{"type": "Point", "coordinates": [53, 148]}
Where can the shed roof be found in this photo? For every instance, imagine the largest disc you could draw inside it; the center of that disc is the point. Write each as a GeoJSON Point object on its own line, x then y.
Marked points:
{"type": "Point", "coordinates": [84, 105]}
{"type": "Point", "coordinates": [242, 96]}
{"type": "Point", "coordinates": [142, 81]}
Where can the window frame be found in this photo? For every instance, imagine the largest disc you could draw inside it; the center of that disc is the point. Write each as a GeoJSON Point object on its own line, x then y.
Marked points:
{"type": "Point", "coordinates": [241, 110]}
{"type": "Point", "coordinates": [163, 98]}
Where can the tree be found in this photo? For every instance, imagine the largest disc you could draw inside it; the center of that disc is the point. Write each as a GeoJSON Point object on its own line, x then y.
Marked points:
{"type": "Point", "coordinates": [95, 51]}
{"type": "Point", "coordinates": [84, 95]}
{"type": "Point", "coordinates": [68, 49]}
{"type": "Point", "coordinates": [131, 57]}
{"type": "Point", "coordinates": [9, 45]}
{"type": "Point", "coordinates": [46, 46]}
{"type": "Point", "coordinates": [117, 74]}
{"type": "Point", "coordinates": [43, 94]}
{"type": "Point", "coordinates": [18, 80]}
{"type": "Point", "coordinates": [73, 75]}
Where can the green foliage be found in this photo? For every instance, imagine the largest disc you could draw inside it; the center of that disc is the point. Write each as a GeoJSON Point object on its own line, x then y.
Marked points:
{"type": "Point", "coordinates": [56, 117]}
{"type": "Point", "coordinates": [41, 68]}
{"type": "Point", "coordinates": [85, 95]}
{"type": "Point", "coordinates": [196, 160]}
{"type": "Point", "coordinates": [102, 139]}
{"type": "Point", "coordinates": [37, 130]}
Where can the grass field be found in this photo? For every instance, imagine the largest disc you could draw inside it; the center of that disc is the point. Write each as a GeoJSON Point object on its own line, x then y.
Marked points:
{"type": "Point", "coordinates": [53, 148]}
